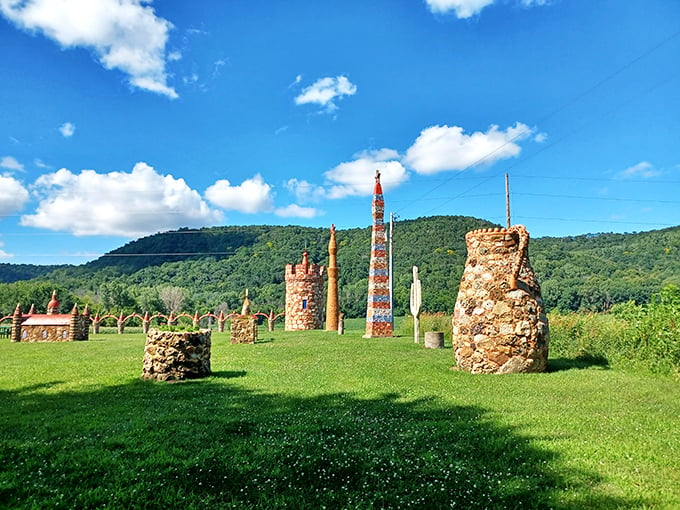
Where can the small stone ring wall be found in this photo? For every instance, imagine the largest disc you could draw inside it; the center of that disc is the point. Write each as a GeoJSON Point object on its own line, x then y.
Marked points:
{"type": "Point", "coordinates": [176, 355]}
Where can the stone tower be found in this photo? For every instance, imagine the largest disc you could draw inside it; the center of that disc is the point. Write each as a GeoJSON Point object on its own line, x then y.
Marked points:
{"type": "Point", "coordinates": [332, 296]}
{"type": "Point", "coordinates": [304, 295]}
{"type": "Point", "coordinates": [379, 308]}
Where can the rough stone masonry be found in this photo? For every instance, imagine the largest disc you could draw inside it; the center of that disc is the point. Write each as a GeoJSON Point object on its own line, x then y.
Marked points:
{"type": "Point", "coordinates": [499, 321]}
{"type": "Point", "coordinates": [176, 355]}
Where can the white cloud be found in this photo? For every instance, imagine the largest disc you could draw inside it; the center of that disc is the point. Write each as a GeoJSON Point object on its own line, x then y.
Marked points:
{"type": "Point", "coordinates": [124, 34]}
{"type": "Point", "coordinates": [325, 91]}
{"type": "Point", "coordinates": [644, 169]}
{"type": "Point", "coordinates": [3, 253]}
{"type": "Point", "coordinates": [10, 163]}
{"type": "Point", "coordinates": [441, 148]}
{"type": "Point", "coordinates": [296, 211]}
{"type": "Point", "coordinates": [40, 163]}
{"type": "Point", "coordinates": [251, 196]}
{"type": "Point", "coordinates": [461, 8]}
{"type": "Point", "coordinates": [13, 195]}
{"type": "Point", "coordinates": [356, 178]}
{"type": "Point", "coordinates": [118, 203]}
{"type": "Point", "coordinates": [67, 129]}
{"type": "Point", "coordinates": [305, 191]}
{"type": "Point", "coordinates": [467, 8]}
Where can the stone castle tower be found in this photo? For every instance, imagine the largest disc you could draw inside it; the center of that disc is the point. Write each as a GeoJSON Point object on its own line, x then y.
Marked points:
{"type": "Point", "coordinates": [379, 307]}
{"type": "Point", "coordinates": [304, 295]}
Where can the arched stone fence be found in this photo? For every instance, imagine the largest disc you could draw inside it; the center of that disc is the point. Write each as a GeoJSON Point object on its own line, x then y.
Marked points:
{"type": "Point", "coordinates": [146, 320]}
{"type": "Point", "coordinates": [171, 319]}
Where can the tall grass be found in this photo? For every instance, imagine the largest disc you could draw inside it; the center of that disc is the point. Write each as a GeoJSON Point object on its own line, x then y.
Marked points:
{"type": "Point", "coordinates": [629, 336]}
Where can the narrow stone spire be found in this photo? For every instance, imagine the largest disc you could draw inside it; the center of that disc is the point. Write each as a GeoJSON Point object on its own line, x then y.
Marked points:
{"type": "Point", "coordinates": [379, 308]}
{"type": "Point", "coordinates": [332, 296]}
{"type": "Point", "coordinates": [53, 305]}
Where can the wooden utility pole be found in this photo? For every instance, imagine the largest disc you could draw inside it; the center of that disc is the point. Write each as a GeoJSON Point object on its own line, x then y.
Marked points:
{"type": "Point", "coordinates": [507, 199]}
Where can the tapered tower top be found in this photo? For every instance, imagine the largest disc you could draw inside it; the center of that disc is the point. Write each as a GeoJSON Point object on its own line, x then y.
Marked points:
{"type": "Point", "coordinates": [378, 188]}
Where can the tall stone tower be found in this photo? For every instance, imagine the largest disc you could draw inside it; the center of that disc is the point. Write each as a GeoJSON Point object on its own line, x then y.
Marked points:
{"type": "Point", "coordinates": [304, 295]}
{"type": "Point", "coordinates": [332, 295]}
{"type": "Point", "coordinates": [379, 308]}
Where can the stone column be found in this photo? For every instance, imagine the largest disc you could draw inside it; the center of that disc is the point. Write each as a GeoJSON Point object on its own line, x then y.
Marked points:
{"type": "Point", "coordinates": [332, 295]}
{"type": "Point", "coordinates": [17, 319]}
{"type": "Point", "coordinates": [378, 308]}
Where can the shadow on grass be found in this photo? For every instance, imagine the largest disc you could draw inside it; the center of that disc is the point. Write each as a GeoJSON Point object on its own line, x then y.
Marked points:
{"type": "Point", "coordinates": [205, 444]}
{"type": "Point", "coordinates": [578, 362]}
{"type": "Point", "coordinates": [228, 374]}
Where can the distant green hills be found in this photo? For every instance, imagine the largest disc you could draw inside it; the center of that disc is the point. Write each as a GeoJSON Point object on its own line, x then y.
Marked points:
{"type": "Point", "coordinates": [212, 267]}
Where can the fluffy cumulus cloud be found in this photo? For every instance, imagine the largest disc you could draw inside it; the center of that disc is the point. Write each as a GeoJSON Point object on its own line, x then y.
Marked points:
{"type": "Point", "coordinates": [10, 163]}
{"type": "Point", "coordinates": [644, 170]}
{"type": "Point", "coordinates": [305, 191]}
{"type": "Point", "coordinates": [355, 178]}
{"type": "Point", "coordinates": [251, 196]}
{"type": "Point", "coordinates": [467, 8]}
{"type": "Point", "coordinates": [441, 148]}
{"type": "Point", "coordinates": [124, 34]}
{"type": "Point", "coordinates": [13, 195]}
{"type": "Point", "coordinates": [296, 211]}
{"type": "Point", "coordinates": [118, 203]}
{"type": "Point", "coordinates": [326, 91]}
{"type": "Point", "coordinates": [461, 8]}
{"type": "Point", "coordinates": [67, 129]}
{"type": "Point", "coordinates": [3, 253]}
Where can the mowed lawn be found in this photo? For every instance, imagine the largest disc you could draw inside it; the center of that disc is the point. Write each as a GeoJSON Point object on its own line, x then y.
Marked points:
{"type": "Point", "coordinates": [314, 420]}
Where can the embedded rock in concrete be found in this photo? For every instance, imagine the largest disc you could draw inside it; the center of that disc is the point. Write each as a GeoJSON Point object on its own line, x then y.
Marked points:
{"type": "Point", "coordinates": [176, 355]}
{"type": "Point", "coordinates": [243, 330]}
{"type": "Point", "coordinates": [499, 322]}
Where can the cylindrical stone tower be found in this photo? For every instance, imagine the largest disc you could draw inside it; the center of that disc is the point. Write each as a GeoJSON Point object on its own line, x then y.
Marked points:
{"type": "Point", "coordinates": [378, 308]}
{"type": "Point", "coordinates": [499, 322]}
{"type": "Point", "coordinates": [332, 292]}
{"type": "Point", "coordinates": [304, 295]}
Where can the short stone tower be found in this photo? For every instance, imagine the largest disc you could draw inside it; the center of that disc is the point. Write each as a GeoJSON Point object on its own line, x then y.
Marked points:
{"type": "Point", "coordinates": [304, 295]}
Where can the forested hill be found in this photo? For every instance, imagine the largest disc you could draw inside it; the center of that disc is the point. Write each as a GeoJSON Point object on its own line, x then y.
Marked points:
{"type": "Point", "coordinates": [213, 266]}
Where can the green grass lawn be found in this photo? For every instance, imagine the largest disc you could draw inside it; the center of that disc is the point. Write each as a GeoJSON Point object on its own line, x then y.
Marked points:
{"type": "Point", "coordinates": [314, 420]}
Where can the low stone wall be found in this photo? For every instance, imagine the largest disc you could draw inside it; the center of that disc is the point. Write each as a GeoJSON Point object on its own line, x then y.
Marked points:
{"type": "Point", "coordinates": [243, 330]}
{"type": "Point", "coordinates": [176, 355]}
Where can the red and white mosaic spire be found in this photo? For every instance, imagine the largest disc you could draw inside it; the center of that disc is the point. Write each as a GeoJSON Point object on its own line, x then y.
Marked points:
{"type": "Point", "coordinates": [379, 307]}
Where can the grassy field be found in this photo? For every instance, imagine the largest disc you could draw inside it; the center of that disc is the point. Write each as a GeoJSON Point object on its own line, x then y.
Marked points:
{"type": "Point", "coordinates": [318, 420]}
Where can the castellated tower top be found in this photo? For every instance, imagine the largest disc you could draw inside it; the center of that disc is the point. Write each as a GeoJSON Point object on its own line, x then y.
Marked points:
{"type": "Point", "coordinates": [305, 270]}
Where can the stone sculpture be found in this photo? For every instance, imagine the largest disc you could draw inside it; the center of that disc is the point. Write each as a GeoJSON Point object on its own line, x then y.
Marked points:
{"type": "Point", "coordinates": [499, 321]}
{"type": "Point", "coordinates": [379, 307]}
{"type": "Point", "coordinates": [332, 293]}
{"type": "Point", "coordinates": [304, 295]}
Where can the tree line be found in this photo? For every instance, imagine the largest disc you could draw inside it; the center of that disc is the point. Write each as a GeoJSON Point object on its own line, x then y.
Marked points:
{"type": "Point", "coordinates": [209, 269]}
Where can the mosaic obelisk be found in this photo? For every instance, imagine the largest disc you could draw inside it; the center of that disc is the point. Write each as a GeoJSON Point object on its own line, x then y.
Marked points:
{"type": "Point", "coordinates": [379, 307]}
{"type": "Point", "coordinates": [332, 295]}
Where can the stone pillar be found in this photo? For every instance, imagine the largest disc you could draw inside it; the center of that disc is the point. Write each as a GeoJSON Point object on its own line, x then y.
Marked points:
{"type": "Point", "coordinates": [332, 293]}
{"type": "Point", "coordinates": [270, 320]}
{"type": "Point", "coordinates": [95, 324]}
{"type": "Point", "coordinates": [195, 320]}
{"type": "Point", "coordinates": [171, 319]}
{"type": "Point", "coordinates": [146, 322]}
{"type": "Point", "coordinates": [378, 308]}
{"type": "Point", "coordinates": [220, 322]}
{"type": "Point", "coordinates": [17, 319]}
{"type": "Point", "coordinates": [243, 330]}
{"type": "Point", "coordinates": [176, 355]}
{"type": "Point", "coordinates": [341, 323]}
{"type": "Point", "coordinates": [499, 321]}
{"type": "Point", "coordinates": [121, 324]}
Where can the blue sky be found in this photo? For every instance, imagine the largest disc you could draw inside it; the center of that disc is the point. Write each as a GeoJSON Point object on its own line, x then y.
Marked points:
{"type": "Point", "coordinates": [123, 118]}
